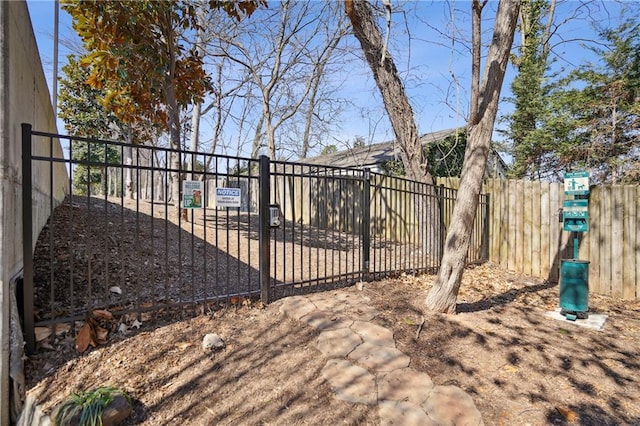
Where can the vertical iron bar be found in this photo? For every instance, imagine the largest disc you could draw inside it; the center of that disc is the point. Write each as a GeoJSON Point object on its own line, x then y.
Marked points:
{"type": "Point", "coordinates": [341, 204]}
{"type": "Point", "coordinates": [52, 230]}
{"type": "Point", "coordinates": [193, 256]}
{"type": "Point", "coordinates": [238, 257]}
{"type": "Point", "coordinates": [72, 296]}
{"type": "Point", "coordinates": [263, 208]}
{"type": "Point", "coordinates": [355, 184]}
{"type": "Point", "coordinates": [167, 191]}
{"type": "Point", "coordinates": [216, 253]}
{"type": "Point", "coordinates": [137, 236]}
{"type": "Point", "coordinates": [153, 220]}
{"type": "Point", "coordinates": [105, 225]}
{"type": "Point", "coordinates": [122, 256]}
{"type": "Point", "coordinates": [227, 222]}
{"type": "Point", "coordinates": [316, 223]}
{"type": "Point", "coordinates": [366, 224]}
{"type": "Point", "coordinates": [27, 239]}
{"type": "Point", "coordinates": [325, 189]}
{"type": "Point", "coordinates": [285, 180]}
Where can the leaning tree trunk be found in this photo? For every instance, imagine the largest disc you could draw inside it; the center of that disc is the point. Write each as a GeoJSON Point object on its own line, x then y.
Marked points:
{"type": "Point", "coordinates": [443, 295]}
{"type": "Point", "coordinates": [402, 120]}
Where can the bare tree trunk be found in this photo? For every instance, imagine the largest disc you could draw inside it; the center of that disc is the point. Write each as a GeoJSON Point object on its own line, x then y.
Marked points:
{"type": "Point", "coordinates": [194, 140]}
{"type": "Point", "coordinates": [443, 295]}
{"type": "Point", "coordinates": [402, 119]}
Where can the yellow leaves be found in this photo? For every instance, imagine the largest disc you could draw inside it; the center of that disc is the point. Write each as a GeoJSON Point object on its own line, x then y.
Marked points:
{"type": "Point", "coordinates": [510, 368]}
{"type": "Point", "coordinates": [568, 414]}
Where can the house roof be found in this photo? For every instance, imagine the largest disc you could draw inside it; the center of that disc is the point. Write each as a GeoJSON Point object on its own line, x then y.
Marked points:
{"type": "Point", "coordinates": [370, 155]}
{"type": "Point", "coordinates": [375, 154]}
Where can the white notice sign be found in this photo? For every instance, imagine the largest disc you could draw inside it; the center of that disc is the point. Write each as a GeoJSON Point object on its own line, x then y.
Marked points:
{"type": "Point", "coordinates": [228, 197]}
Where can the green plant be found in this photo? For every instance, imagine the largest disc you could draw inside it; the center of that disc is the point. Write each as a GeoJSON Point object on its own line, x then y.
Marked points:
{"type": "Point", "coordinates": [85, 408]}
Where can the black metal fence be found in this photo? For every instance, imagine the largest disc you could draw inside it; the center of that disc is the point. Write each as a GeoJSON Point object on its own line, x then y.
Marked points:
{"type": "Point", "coordinates": [121, 239]}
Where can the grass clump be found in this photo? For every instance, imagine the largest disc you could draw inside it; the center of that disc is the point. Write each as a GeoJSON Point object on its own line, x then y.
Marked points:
{"type": "Point", "coordinates": [85, 408]}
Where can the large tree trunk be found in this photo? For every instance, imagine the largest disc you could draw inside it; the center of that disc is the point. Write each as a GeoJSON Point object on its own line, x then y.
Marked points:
{"type": "Point", "coordinates": [402, 120]}
{"type": "Point", "coordinates": [443, 295]}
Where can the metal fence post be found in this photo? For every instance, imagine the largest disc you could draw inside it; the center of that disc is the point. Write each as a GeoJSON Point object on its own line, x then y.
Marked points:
{"type": "Point", "coordinates": [366, 224]}
{"type": "Point", "coordinates": [27, 240]}
{"type": "Point", "coordinates": [264, 232]}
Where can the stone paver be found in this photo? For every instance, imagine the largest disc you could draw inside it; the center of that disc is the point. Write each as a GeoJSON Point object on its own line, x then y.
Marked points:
{"type": "Point", "coordinates": [350, 382]}
{"type": "Point", "coordinates": [326, 320]}
{"type": "Point", "coordinates": [296, 307]}
{"type": "Point", "coordinates": [331, 304]}
{"type": "Point", "coordinates": [402, 413]}
{"type": "Point", "coordinates": [374, 333]}
{"type": "Point", "coordinates": [338, 343]}
{"type": "Point", "coordinates": [365, 367]}
{"type": "Point", "coordinates": [451, 406]}
{"type": "Point", "coordinates": [379, 358]}
{"type": "Point", "coordinates": [405, 384]}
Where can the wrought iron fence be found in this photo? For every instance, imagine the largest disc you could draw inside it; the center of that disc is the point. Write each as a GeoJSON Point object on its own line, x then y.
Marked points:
{"type": "Point", "coordinates": [122, 240]}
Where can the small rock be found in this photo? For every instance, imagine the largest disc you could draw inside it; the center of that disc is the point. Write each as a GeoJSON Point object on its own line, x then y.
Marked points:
{"type": "Point", "coordinates": [116, 412]}
{"type": "Point", "coordinates": [212, 343]}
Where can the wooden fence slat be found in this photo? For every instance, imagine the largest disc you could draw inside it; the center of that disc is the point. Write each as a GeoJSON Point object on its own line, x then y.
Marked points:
{"type": "Point", "coordinates": [535, 229]}
{"type": "Point", "coordinates": [519, 219]}
{"type": "Point", "coordinates": [567, 237]}
{"type": "Point", "coordinates": [546, 216]}
{"type": "Point", "coordinates": [594, 239]}
{"type": "Point", "coordinates": [617, 214]}
{"type": "Point", "coordinates": [605, 241]}
{"type": "Point", "coordinates": [629, 271]}
{"type": "Point", "coordinates": [555, 232]}
{"type": "Point", "coordinates": [527, 219]}
{"type": "Point", "coordinates": [505, 220]}
{"type": "Point", "coordinates": [511, 247]}
{"type": "Point", "coordinates": [497, 226]}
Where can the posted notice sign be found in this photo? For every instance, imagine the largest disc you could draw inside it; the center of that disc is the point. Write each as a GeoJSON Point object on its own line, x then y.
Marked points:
{"type": "Point", "coordinates": [576, 183]}
{"type": "Point", "coordinates": [192, 191]}
{"type": "Point", "coordinates": [228, 197]}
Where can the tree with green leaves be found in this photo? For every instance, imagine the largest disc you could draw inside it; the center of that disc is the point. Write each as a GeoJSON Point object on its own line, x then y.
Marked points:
{"type": "Point", "coordinates": [84, 115]}
{"type": "Point", "coordinates": [596, 120]}
{"type": "Point", "coordinates": [141, 58]}
{"type": "Point", "coordinates": [528, 88]}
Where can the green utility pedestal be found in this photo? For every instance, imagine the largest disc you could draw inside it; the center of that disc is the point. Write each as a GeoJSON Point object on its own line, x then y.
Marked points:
{"type": "Point", "coordinates": [574, 288]}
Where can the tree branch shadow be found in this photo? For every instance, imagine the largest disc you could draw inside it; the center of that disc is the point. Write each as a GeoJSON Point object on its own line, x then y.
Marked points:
{"type": "Point", "coordinates": [503, 298]}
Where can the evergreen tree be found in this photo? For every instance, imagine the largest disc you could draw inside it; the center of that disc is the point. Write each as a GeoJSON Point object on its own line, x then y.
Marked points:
{"type": "Point", "coordinates": [83, 115]}
{"type": "Point", "coordinates": [596, 124]}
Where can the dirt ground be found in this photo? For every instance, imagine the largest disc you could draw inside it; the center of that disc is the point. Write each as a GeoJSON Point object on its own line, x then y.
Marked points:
{"type": "Point", "coordinates": [519, 366]}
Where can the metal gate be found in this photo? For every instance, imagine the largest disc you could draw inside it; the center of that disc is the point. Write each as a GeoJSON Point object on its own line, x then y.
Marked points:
{"type": "Point", "coordinates": [120, 240]}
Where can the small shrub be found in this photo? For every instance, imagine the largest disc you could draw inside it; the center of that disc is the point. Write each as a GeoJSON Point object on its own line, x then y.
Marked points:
{"type": "Point", "coordinates": [85, 408]}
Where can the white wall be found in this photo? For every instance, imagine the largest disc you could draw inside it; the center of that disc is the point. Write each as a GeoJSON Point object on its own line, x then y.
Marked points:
{"type": "Point", "coordinates": [25, 98]}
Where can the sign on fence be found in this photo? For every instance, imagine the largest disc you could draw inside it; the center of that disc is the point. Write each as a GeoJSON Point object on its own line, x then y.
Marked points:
{"type": "Point", "coordinates": [192, 191]}
{"type": "Point", "coordinates": [228, 197]}
{"type": "Point", "coordinates": [576, 183]}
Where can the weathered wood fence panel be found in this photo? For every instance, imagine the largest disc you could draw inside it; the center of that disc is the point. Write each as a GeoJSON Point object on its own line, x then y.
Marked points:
{"type": "Point", "coordinates": [527, 236]}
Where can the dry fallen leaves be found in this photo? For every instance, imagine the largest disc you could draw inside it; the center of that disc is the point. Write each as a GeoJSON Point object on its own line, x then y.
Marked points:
{"type": "Point", "coordinates": [91, 333]}
{"type": "Point", "coordinates": [183, 345]}
{"type": "Point", "coordinates": [85, 338]}
{"type": "Point", "coordinates": [569, 415]}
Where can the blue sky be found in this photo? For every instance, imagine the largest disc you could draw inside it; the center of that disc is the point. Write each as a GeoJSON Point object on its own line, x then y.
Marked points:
{"type": "Point", "coordinates": [426, 61]}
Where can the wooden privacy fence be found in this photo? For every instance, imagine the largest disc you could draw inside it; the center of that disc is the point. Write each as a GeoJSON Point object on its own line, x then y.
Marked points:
{"type": "Point", "coordinates": [526, 233]}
